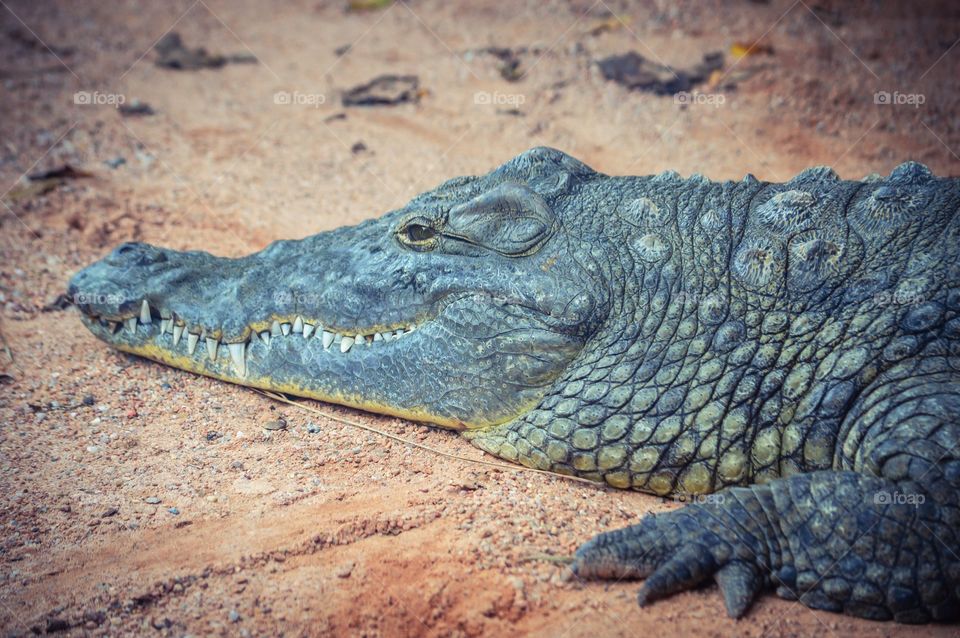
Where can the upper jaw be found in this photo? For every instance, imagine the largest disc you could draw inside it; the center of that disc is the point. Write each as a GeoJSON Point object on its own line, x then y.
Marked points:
{"type": "Point", "coordinates": [158, 331]}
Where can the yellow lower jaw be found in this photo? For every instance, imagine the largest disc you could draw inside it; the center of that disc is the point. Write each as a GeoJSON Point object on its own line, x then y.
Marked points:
{"type": "Point", "coordinates": [162, 355]}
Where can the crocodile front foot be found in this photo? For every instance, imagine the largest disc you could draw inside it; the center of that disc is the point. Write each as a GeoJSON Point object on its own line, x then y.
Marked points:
{"type": "Point", "coordinates": [721, 538]}
{"type": "Point", "coordinates": [834, 540]}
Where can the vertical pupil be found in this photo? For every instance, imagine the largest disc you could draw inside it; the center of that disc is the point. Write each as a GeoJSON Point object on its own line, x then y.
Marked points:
{"type": "Point", "coordinates": [416, 232]}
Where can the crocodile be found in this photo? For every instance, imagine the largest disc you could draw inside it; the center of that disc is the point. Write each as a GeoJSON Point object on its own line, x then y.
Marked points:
{"type": "Point", "coordinates": [781, 357]}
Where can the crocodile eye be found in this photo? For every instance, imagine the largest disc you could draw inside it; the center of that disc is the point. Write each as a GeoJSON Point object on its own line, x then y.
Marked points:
{"type": "Point", "coordinates": [418, 233]}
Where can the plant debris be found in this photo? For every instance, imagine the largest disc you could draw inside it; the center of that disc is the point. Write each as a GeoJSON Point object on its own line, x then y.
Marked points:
{"type": "Point", "coordinates": [613, 23]}
{"type": "Point", "coordinates": [384, 90]}
{"type": "Point", "coordinates": [173, 54]}
{"type": "Point", "coordinates": [39, 184]}
{"type": "Point", "coordinates": [136, 108]}
{"type": "Point", "coordinates": [30, 41]}
{"type": "Point", "coordinates": [367, 5]}
{"type": "Point", "coordinates": [637, 73]}
{"type": "Point", "coordinates": [742, 49]}
{"type": "Point", "coordinates": [60, 302]}
{"type": "Point", "coordinates": [63, 172]}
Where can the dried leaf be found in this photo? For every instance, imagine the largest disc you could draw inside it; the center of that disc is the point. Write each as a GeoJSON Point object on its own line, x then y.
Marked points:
{"type": "Point", "coordinates": [740, 50]}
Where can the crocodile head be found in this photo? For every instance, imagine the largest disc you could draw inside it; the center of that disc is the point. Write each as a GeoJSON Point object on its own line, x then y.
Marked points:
{"type": "Point", "coordinates": [460, 309]}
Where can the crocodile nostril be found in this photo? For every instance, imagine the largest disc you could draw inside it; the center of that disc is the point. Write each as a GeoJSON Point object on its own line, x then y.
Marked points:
{"type": "Point", "coordinates": [138, 253]}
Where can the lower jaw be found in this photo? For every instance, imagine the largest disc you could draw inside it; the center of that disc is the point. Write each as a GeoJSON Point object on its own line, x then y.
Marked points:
{"type": "Point", "coordinates": [257, 375]}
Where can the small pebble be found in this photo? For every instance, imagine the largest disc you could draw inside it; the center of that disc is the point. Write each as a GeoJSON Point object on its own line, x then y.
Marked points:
{"type": "Point", "coordinates": [234, 615]}
{"type": "Point", "coordinates": [113, 511]}
{"type": "Point", "coordinates": [174, 511]}
{"type": "Point", "coordinates": [152, 500]}
{"type": "Point", "coordinates": [313, 428]}
{"type": "Point", "coordinates": [89, 400]}
{"type": "Point", "coordinates": [279, 424]}
{"type": "Point", "coordinates": [344, 570]}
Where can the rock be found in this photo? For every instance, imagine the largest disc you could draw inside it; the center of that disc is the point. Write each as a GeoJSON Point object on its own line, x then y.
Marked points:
{"type": "Point", "coordinates": [279, 424]}
{"type": "Point", "coordinates": [152, 500]}
{"type": "Point", "coordinates": [255, 487]}
{"type": "Point", "coordinates": [174, 511]}
{"type": "Point", "coordinates": [344, 570]}
{"type": "Point", "coordinates": [89, 400]}
{"type": "Point", "coordinates": [161, 623]}
{"type": "Point", "coordinates": [313, 428]}
{"type": "Point", "coordinates": [113, 511]}
{"type": "Point", "coordinates": [234, 615]}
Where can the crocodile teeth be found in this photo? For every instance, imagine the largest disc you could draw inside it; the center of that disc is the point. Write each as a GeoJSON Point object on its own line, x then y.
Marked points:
{"type": "Point", "coordinates": [285, 329]}
{"type": "Point", "coordinates": [327, 339]}
{"type": "Point", "coordinates": [212, 348]}
{"type": "Point", "coordinates": [177, 333]}
{"type": "Point", "coordinates": [113, 326]}
{"type": "Point", "coordinates": [386, 336]}
{"type": "Point", "coordinates": [275, 329]}
{"type": "Point", "coordinates": [398, 333]}
{"type": "Point", "coordinates": [346, 344]}
{"type": "Point", "coordinates": [144, 312]}
{"type": "Point", "coordinates": [166, 314]}
{"type": "Point", "coordinates": [377, 336]}
{"type": "Point", "coordinates": [265, 337]}
{"type": "Point", "coordinates": [307, 330]}
{"type": "Point", "coordinates": [165, 325]}
{"type": "Point", "coordinates": [298, 325]}
{"type": "Point", "coordinates": [192, 340]}
{"type": "Point", "coordinates": [238, 358]}
{"type": "Point", "coordinates": [130, 324]}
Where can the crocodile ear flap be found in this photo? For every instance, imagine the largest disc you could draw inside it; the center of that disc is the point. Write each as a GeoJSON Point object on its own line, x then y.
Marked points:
{"type": "Point", "coordinates": [510, 219]}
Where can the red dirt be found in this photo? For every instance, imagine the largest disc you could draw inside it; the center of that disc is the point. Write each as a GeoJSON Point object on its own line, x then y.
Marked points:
{"type": "Point", "coordinates": [340, 531]}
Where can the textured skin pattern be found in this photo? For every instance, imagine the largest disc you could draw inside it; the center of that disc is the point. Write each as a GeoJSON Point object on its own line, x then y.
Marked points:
{"type": "Point", "coordinates": [790, 350]}
{"type": "Point", "coordinates": [801, 338]}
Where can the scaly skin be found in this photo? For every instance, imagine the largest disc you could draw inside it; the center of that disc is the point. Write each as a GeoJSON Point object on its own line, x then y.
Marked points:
{"type": "Point", "coordinates": [791, 348]}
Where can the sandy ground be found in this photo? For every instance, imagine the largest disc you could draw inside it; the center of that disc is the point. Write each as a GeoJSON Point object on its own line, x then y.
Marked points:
{"type": "Point", "coordinates": [322, 529]}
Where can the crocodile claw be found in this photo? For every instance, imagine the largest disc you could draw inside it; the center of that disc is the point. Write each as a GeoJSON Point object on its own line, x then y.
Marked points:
{"type": "Point", "coordinates": [677, 551]}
